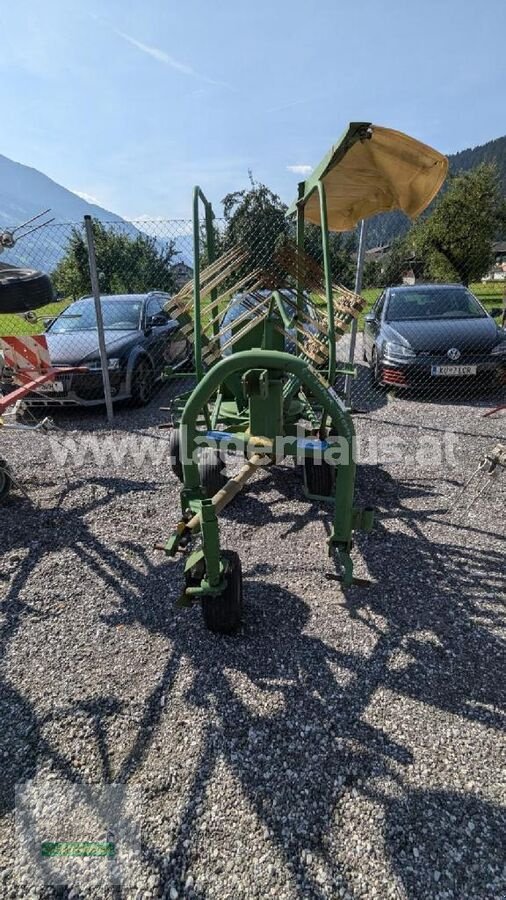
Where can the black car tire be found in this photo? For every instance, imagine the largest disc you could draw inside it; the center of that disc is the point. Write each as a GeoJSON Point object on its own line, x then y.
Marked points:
{"type": "Point", "coordinates": [143, 382]}
{"type": "Point", "coordinates": [376, 371]}
{"type": "Point", "coordinates": [223, 613]}
{"type": "Point", "coordinates": [23, 289]}
{"type": "Point", "coordinates": [5, 479]}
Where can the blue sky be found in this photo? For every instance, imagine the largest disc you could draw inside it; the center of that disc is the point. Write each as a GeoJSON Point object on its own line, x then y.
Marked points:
{"type": "Point", "coordinates": [134, 102]}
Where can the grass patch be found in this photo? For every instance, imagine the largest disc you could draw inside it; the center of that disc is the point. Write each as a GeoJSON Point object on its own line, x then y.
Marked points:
{"type": "Point", "coordinates": [490, 294]}
{"type": "Point", "coordinates": [12, 324]}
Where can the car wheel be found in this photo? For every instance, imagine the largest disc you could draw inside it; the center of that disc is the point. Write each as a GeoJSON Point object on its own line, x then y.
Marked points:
{"type": "Point", "coordinates": [23, 289]}
{"type": "Point", "coordinates": [376, 370]}
{"type": "Point", "coordinates": [143, 383]}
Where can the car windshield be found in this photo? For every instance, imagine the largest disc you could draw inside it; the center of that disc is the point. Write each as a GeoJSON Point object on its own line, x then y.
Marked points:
{"type": "Point", "coordinates": [118, 315]}
{"type": "Point", "coordinates": [432, 303]}
{"type": "Point", "coordinates": [242, 303]}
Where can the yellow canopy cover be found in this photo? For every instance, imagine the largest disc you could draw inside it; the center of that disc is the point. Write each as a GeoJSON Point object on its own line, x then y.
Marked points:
{"type": "Point", "coordinates": [388, 170]}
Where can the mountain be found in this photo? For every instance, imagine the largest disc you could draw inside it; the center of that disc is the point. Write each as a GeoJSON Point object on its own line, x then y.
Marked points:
{"type": "Point", "coordinates": [25, 192]}
{"type": "Point", "coordinates": [383, 228]}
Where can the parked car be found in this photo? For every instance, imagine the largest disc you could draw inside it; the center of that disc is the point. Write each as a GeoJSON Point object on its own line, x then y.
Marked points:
{"type": "Point", "coordinates": [423, 333]}
{"type": "Point", "coordinates": [244, 305]}
{"type": "Point", "coordinates": [141, 340]}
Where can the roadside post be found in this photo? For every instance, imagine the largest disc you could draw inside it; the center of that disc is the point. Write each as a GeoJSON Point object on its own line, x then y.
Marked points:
{"type": "Point", "coordinates": [358, 287]}
{"type": "Point", "coordinates": [95, 288]}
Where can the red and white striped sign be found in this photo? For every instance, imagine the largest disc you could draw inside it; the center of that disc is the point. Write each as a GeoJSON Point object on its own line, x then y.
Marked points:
{"type": "Point", "coordinates": [26, 355]}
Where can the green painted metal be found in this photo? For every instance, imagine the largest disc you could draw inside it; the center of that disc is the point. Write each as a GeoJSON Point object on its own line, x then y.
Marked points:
{"type": "Point", "coordinates": [199, 196]}
{"type": "Point", "coordinates": [331, 334]}
{"type": "Point", "coordinates": [356, 131]}
{"type": "Point", "coordinates": [342, 427]}
{"type": "Point", "coordinates": [300, 280]}
{"type": "Point", "coordinates": [211, 544]}
{"type": "Point", "coordinates": [261, 395]}
{"type": "Point", "coordinates": [268, 359]}
{"type": "Point", "coordinates": [265, 398]}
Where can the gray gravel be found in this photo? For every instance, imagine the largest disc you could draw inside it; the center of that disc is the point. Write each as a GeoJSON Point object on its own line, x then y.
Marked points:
{"type": "Point", "coordinates": [343, 745]}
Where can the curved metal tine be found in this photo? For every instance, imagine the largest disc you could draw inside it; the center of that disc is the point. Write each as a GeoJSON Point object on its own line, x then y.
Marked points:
{"type": "Point", "coordinates": [480, 493]}
{"type": "Point", "coordinates": [245, 315]}
{"type": "Point", "coordinates": [235, 288]}
{"type": "Point", "coordinates": [36, 228]}
{"type": "Point", "coordinates": [29, 221]}
{"type": "Point", "coordinates": [244, 330]}
{"type": "Point", "coordinates": [479, 468]}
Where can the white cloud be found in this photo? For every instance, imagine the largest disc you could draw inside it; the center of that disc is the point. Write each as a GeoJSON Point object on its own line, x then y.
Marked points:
{"type": "Point", "coordinates": [88, 197]}
{"type": "Point", "coordinates": [159, 55]}
{"type": "Point", "coordinates": [300, 169]}
{"type": "Point", "coordinates": [168, 60]}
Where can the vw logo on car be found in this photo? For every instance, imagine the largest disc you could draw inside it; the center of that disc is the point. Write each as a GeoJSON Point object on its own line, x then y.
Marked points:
{"type": "Point", "coordinates": [453, 354]}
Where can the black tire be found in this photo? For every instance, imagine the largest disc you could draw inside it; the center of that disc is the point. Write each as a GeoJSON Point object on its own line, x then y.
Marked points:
{"type": "Point", "coordinates": [5, 479]}
{"type": "Point", "coordinates": [223, 613]}
{"type": "Point", "coordinates": [320, 479]}
{"type": "Point", "coordinates": [376, 372]}
{"type": "Point", "coordinates": [23, 289]}
{"type": "Point", "coordinates": [211, 474]}
{"type": "Point", "coordinates": [175, 453]}
{"type": "Point", "coordinates": [143, 383]}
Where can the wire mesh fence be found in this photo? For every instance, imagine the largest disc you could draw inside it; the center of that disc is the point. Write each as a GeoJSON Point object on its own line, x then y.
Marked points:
{"type": "Point", "coordinates": [433, 344]}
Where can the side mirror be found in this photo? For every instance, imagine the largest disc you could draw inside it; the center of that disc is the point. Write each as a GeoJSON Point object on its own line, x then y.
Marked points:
{"type": "Point", "coordinates": [370, 317]}
{"type": "Point", "coordinates": [495, 311]}
{"type": "Point", "coordinates": [156, 321]}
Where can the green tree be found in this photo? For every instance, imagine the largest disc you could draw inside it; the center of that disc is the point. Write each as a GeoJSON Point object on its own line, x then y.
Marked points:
{"type": "Point", "coordinates": [342, 247]}
{"type": "Point", "coordinates": [372, 276]}
{"type": "Point", "coordinates": [455, 241]}
{"type": "Point", "coordinates": [398, 260]}
{"type": "Point", "coordinates": [256, 219]}
{"type": "Point", "coordinates": [126, 264]}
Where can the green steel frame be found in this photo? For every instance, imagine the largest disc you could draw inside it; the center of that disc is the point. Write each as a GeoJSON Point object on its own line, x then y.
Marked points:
{"type": "Point", "coordinates": [271, 392]}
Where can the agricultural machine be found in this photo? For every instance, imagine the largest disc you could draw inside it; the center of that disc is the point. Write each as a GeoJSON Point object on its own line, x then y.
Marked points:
{"type": "Point", "coordinates": [265, 377]}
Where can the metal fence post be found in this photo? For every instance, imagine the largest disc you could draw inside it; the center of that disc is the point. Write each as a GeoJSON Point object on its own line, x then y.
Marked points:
{"type": "Point", "coordinates": [95, 287]}
{"type": "Point", "coordinates": [354, 324]}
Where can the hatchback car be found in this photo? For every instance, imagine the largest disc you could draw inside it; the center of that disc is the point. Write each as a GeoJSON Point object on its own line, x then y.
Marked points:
{"type": "Point", "coordinates": [141, 341]}
{"type": "Point", "coordinates": [420, 334]}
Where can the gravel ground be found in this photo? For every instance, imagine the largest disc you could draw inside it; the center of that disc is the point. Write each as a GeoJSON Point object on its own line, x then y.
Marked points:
{"type": "Point", "coordinates": [345, 744]}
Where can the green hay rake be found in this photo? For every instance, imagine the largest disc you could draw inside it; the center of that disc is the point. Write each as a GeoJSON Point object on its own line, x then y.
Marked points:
{"type": "Point", "coordinates": [265, 381]}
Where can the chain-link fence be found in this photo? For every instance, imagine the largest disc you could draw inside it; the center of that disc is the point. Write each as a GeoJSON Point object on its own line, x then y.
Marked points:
{"type": "Point", "coordinates": [415, 343]}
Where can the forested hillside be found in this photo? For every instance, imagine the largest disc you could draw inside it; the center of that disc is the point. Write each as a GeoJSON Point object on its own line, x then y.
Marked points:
{"type": "Point", "coordinates": [381, 229]}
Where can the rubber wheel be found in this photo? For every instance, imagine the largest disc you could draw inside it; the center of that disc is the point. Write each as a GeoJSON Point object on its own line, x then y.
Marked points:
{"type": "Point", "coordinates": [375, 372]}
{"type": "Point", "coordinates": [23, 289]}
{"type": "Point", "coordinates": [211, 474]}
{"type": "Point", "coordinates": [142, 383]}
{"type": "Point", "coordinates": [5, 479]}
{"type": "Point", "coordinates": [320, 479]}
{"type": "Point", "coordinates": [175, 453]}
{"type": "Point", "coordinates": [223, 613]}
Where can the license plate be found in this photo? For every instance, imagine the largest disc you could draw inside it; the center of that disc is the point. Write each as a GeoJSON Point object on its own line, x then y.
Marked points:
{"type": "Point", "coordinates": [453, 370]}
{"type": "Point", "coordinates": [52, 387]}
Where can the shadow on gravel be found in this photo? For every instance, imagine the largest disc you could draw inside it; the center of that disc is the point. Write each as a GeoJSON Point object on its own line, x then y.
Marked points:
{"type": "Point", "coordinates": [444, 843]}
{"type": "Point", "coordinates": [35, 532]}
{"type": "Point", "coordinates": [286, 710]}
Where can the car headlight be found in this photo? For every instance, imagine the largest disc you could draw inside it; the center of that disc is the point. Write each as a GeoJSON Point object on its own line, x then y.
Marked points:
{"type": "Point", "coordinates": [399, 350]}
{"type": "Point", "coordinates": [95, 365]}
{"type": "Point", "coordinates": [499, 349]}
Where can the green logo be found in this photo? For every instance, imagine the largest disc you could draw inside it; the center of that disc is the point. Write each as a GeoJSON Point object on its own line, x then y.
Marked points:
{"type": "Point", "coordinates": [78, 848]}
